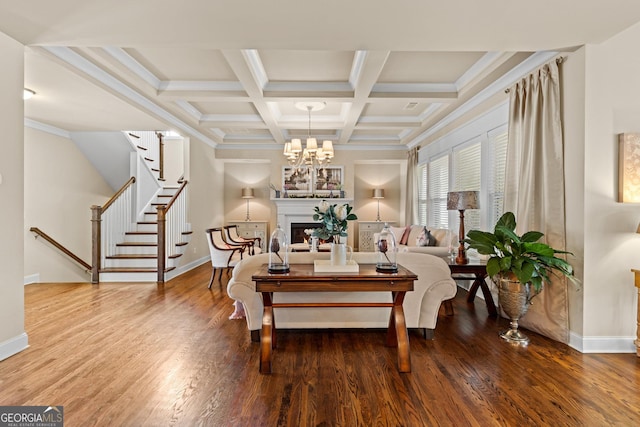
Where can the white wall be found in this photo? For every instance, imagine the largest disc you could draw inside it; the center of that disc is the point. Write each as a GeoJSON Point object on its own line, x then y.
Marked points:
{"type": "Point", "coordinates": [258, 168]}
{"type": "Point", "coordinates": [611, 246]}
{"type": "Point", "coordinates": [57, 199]}
{"type": "Point", "coordinates": [13, 337]}
{"type": "Point", "coordinates": [573, 91]}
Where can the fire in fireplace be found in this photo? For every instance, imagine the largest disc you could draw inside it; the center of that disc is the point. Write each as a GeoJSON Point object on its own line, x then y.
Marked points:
{"type": "Point", "coordinates": [297, 230]}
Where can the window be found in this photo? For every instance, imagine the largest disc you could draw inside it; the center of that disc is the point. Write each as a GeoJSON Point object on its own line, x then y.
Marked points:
{"type": "Point", "coordinates": [469, 158]}
{"type": "Point", "coordinates": [422, 194]}
{"type": "Point", "coordinates": [438, 186]}
{"type": "Point", "coordinates": [497, 160]}
{"type": "Point", "coordinates": [466, 177]}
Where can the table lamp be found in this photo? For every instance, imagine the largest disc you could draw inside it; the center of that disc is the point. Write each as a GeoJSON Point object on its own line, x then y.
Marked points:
{"type": "Point", "coordinates": [460, 201]}
{"type": "Point", "coordinates": [247, 193]}
{"type": "Point", "coordinates": [378, 193]}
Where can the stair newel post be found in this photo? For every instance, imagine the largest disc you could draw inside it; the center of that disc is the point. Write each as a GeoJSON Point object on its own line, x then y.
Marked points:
{"type": "Point", "coordinates": [161, 242]}
{"type": "Point", "coordinates": [96, 243]}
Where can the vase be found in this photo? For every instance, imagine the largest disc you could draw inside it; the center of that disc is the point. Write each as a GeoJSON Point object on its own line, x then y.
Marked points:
{"type": "Point", "coordinates": [339, 252]}
{"type": "Point", "coordinates": [514, 298]}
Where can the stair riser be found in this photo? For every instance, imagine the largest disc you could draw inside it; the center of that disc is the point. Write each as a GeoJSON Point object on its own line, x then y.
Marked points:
{"type": "Point", "coordinates": [152, 238]}
{"type": "Point", "coordinates": [136, 250]}
{"type": "Point", "coordinates": [147, 227]}
{"type": "Point", "coordinates": [139, 263]}
{"type": "Point", "coordinates": [128, 277]}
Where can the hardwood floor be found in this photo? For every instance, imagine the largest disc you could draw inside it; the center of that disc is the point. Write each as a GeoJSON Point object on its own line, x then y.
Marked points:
{"type": "Point", "coordinates": [149, 355]}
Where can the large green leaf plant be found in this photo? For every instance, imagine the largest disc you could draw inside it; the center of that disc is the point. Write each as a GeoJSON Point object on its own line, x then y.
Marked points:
{"type": "Point", "coordinates": [529, 260]}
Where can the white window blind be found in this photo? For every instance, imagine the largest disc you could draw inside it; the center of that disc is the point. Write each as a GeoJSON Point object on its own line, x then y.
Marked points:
{"type": "Point", "coordinates": [467, 177]}
{"type": "Point", "coordinates": [438, 186]}
{"type": "Point", "coordinates": [422, 193]}
{"type": "Point", "coordinates": [497, 163]}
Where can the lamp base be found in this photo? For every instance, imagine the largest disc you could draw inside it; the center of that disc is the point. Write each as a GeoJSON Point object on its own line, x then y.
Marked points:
{"type": "Point", "coordinates": [462, 255]}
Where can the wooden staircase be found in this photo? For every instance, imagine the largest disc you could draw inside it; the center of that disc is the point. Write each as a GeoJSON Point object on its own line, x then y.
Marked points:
{"type": "Point", "coordinates": [136, 257]}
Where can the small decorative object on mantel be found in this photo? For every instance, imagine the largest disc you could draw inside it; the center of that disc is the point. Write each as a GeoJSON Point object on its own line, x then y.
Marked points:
{"type": "Point", "coordinates": [278, 252]}
{"type": "Point", "coordinates": [519, 266]}
{"type": "Point", "coordinates": [275, 190]}
{"type": "Point", "coordinates": [387, 249]}
{"type": "Point", "coordinates": [334, 221]}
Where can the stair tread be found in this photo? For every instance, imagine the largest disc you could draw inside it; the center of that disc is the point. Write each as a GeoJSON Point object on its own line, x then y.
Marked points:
{"type": "Point", "coordinates": [165, 195]}
{"type": "Point", "coordinates": [182, 243]}
{"type": "Point", "coordinates": [141, 233]}
{"type": "Point", "coordinates": [137, 244]}
{"type": "Point", "coordinates": [132, 256]}
{"type": "Point", "coordinates": [187, 232]}
{"type": "Point", "coordinates": [147, 222]}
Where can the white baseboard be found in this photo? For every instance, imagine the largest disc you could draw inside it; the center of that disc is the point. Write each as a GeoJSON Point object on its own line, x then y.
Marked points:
{"type": "Point", "coordinates": [184, 268]}
{"type": "Point", "coordinates": [602, 344]}
{"type": "Point", "coordinates": [33, 278]}
{"type": "Point", "coordinates": [13, 345]}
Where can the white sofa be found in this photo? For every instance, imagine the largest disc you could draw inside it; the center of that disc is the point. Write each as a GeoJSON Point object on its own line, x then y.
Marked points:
{"type": "Point", "coordinates": [421, 306]}
{"type": "Point", "coordinates": [444, 239]}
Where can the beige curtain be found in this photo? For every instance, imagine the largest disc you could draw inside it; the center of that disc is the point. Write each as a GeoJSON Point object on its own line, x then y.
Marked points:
{"type": "Point", "coordinates": [534, 189]}
{"type": "Point", "coordinates": [411, 211]}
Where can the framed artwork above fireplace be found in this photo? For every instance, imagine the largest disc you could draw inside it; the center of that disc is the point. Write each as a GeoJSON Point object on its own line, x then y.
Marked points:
{"type": "Point", "coordinates": [316, 181]}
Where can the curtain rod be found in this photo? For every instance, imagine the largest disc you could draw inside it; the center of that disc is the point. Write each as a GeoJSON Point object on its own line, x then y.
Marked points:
{"type": "Point", "coordinates": [559, 60]}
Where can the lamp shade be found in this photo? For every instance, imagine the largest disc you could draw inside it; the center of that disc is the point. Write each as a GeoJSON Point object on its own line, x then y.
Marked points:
{"type": "Point", "coordinates": [462, 200]}
{"type": "Point", "coordinates": [312, 145]}
{"type": "Point", "coordinates": [378, 193]}
{"type": "Point", "coordinates": [247, 193]}
{"type": "Point", "coordinates": [296, 145]}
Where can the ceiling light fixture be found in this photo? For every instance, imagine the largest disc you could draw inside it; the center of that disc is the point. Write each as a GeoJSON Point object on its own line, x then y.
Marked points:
{"type": "Point", "coordinates": [310, 155]}
{"type": "Point", "coordinates": [27, 93]}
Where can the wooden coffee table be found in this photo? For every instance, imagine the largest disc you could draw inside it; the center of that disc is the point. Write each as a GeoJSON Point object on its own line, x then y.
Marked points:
{"type": "Point", "coordinates": [302, 278]}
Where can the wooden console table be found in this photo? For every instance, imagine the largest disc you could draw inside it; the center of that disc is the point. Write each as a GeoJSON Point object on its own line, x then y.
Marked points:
{"type": "Point", "coordinates": [637, 341]}
{"type": "Point", "coordinates": [479, 269]}
{"type": "Point", "coordinates": [302, 278]}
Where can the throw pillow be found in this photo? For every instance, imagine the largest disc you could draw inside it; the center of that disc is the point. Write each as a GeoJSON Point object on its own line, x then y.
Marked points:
{"type": "Point", "coordinates": [425, 238]}
{"type": "Point", "coordinates": [405, 236]}
{"type": "Point", "coordinates": [397, 233]}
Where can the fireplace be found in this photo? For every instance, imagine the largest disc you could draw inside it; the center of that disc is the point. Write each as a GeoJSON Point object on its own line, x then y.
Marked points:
{"type": "Point", "coordinates": [297, 230]}
{"type": "Point", "coordinates": [298, 210]}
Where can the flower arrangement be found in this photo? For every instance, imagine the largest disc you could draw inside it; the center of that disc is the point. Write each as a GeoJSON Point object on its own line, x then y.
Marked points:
{"type": "Point", "coordinates": [334, 220]}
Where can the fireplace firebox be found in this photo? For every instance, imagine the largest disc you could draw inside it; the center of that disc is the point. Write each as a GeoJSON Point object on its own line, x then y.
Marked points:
{"type": "Point", "coordinates": [297, 230]}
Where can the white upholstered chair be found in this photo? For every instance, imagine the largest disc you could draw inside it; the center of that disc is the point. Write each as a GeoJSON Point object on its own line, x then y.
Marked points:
{"type": "Point", "coordinates": [223, 255]}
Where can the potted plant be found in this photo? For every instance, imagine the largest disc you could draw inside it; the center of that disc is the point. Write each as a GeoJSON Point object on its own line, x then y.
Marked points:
{"type": "Point", "coordinates": [333, 225]}
{"type": "Point", "coordinates": [516, 264]}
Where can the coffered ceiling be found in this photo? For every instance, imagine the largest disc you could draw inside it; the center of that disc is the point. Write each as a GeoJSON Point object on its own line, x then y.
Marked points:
{"type": "Point", "coordinates": [390, 73]}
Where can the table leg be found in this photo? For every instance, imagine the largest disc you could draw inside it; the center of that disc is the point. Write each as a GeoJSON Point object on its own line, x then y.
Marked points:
{"type": "Point", "coordinates": [267, 335]}
{"type": "Point", "coordinates": [486, 292]}
{"type": "Point", "coordinates": [397, 334]}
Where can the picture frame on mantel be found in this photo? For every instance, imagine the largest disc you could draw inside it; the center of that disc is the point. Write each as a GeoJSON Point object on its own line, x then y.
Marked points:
{"type": "Point", "coordinates": [327, 179]}
{"type": "Point", "coordinates": [296, 181]}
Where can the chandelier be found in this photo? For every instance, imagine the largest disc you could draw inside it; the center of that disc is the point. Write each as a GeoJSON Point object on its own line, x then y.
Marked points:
{"type": "Point", "coordinates": [311, 155]}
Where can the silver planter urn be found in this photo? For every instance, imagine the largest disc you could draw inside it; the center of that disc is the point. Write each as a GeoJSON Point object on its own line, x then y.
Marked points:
{"type": "Point", "coordinates": [514, 298]}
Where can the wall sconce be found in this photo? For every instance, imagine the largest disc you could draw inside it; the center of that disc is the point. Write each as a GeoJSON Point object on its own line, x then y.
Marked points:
{"type": "Point", "coordinates": [460, 201]}
{"type": "Point", "coordinates": [629, 168]}
{"type": "Point", "coordinates": [27, 93]}
{"type": "Point", "coordinates": [247, 193]}
{"type": "Point", "coordinates": [378, 193]}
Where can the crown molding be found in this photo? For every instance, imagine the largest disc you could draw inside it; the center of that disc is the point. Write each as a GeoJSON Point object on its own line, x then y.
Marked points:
{"type": "Point", "coordinates": [33, 124]}
{"type": "Point", "coordinates": [85, 66]}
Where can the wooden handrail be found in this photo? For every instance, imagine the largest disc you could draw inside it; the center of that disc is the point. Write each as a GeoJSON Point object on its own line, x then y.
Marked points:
{"type": "Point", "coordinates": [175, 196]}
{"type": "Point", "coordinates": [58, 246]}
{"type": "Point", "coordinates": [120, 191]}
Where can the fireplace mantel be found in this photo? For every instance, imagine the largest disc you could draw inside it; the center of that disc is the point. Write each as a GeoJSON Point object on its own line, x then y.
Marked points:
{"type": "Point", "coordinates": [299, 210]}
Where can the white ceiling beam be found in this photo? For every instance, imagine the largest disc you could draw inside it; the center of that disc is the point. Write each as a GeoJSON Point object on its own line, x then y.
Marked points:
{"type": "Point", "coordinates": [243, 64]}
{"type": "Point", "coordinates": [370, 65]}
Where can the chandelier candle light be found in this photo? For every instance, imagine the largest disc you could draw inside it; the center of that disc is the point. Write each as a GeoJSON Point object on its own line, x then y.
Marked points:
{"type": "Point", "coordinates": [460, 201]}
{"type": "Point", "coordinates": [311, 155]}
{"type": "Point", "coordinates": [247, 193]}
